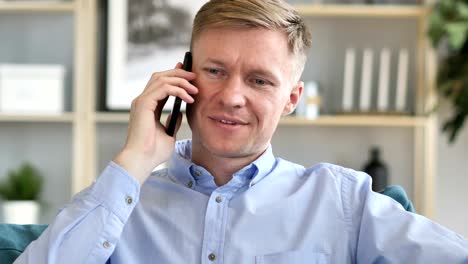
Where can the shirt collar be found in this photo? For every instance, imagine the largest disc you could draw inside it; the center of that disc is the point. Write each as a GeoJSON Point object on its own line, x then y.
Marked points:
{"type": "Point", "coordinates": [183, 170]}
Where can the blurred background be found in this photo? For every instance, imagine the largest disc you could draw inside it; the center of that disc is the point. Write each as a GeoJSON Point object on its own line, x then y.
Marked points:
{"type": "Point", "coordinates": [374, 81]}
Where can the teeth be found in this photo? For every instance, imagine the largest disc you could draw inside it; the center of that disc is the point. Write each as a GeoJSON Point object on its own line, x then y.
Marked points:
{"type": "Point", "coordinates": [226, 122]}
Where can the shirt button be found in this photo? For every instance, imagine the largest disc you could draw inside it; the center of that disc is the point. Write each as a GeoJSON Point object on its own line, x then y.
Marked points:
{"type": "Point", "coordinates": [197, 172]}
{"type": "Point", "coordinates": [129, 200]}
{"type": "Point", "coordinates": [219, 199]}
{"type": "Point", "coordinates": [106, 244]}
{"type": "Point", "coordinates": [212, 256]}
{"type": "Point", "coordinates": [190, 184]}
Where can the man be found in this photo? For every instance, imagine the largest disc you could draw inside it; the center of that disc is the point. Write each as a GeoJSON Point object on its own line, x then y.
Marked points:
{"type": "Point", "coordinates": [224, 197]}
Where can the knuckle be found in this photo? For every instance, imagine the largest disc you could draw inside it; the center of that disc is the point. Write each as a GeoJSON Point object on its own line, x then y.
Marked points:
{"type": "Point", "coordinates": [155, 75]}
{"type": "Point", "coordinates": [134, 102]}
{"type": "Point", "coordinates": [137, 102]}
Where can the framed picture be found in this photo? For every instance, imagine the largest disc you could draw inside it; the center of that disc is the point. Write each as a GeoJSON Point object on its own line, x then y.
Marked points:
{"type": "Point", "coordinates": [144, 36]}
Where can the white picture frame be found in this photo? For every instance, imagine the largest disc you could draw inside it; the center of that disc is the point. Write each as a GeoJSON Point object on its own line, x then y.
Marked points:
{"type": "Point", "coordinates": [141, 44]}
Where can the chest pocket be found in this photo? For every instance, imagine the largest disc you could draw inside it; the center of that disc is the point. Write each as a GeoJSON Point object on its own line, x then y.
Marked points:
{"type": "Point", "coordinates": [293, 257]}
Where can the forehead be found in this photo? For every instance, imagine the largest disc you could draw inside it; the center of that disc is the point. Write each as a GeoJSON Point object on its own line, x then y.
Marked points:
{"type": "Point", "coordinates": [252, 45]}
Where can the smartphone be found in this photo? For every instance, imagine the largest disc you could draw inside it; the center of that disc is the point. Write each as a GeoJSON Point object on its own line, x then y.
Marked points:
{"type": "Point", "coordinates": [177, 102]}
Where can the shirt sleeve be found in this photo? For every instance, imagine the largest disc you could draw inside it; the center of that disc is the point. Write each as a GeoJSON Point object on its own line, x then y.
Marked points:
{"type": "Point", "coordinates": [386, 233]}
{"type": "Point", "coordinates": [88, 229]}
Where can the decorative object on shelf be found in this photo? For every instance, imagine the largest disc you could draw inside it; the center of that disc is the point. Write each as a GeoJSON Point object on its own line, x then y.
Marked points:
{"type": "Point", "coordinates": [366, 80]}
{"type": "Point", "coordinates": [368, 86]}
{"type": "Point", "coordinates": [309, 105]}
{"type": "Point", "coordinates": [348, 80]}
{"type": "Point", "coordinates": [144, 37]}
{"type": "Point", "coordinates": [297, 2]}
{"type": "Point", "coordinates": [384, 81]}
{"type": "Point", "coordinates": [448, 26]}
{"type": "Point", "coordinates": [377, 170]}
{"type": "Point", "coordinates": [376, 2]}
{"type": "Point", "coordinates": [352, 2]}
{"type": "Point", "coordinates": [20, 192]}
{"type": "Point", "coordinates": [32, 88]}
{"type": "Point", "coordinates": [394, 2]}
{"type": "Point", "coordinates": [402, 81]}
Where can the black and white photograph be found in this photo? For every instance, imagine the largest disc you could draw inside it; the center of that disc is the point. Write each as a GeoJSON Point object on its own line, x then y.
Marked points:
{"type": "Point", "coordinates": [144, 36]}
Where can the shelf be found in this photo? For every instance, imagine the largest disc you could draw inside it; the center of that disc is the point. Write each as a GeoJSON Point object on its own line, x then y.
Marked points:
{"type": "Point", "coordinates": [103, 117]}
{"type": "Point", "coordinates": [54, 118]}
{"type": "Point", "coordinates": [341, 120]}
{"type": "Point", "coordinates": [357, 120]}
{"type": "Point", "coordinates": [37, 6]}
{"type": "Point", "coordinates": [384, 11]}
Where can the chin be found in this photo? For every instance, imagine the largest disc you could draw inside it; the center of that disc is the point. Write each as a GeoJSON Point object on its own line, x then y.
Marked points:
{"type": "Point", "coordinates": [224, 147]}
{"type": "Point", "coordinates": [231, 148]}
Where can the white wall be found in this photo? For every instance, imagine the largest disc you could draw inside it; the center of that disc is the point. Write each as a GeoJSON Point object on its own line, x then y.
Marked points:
{"type": "Point", "coordinates": [451, 193]}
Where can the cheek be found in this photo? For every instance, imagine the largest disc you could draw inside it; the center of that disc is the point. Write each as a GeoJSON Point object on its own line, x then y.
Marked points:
{"type": "Point", "coordinates": [206, 88]}
{"type": "Point", "coordinates": [268, 110]}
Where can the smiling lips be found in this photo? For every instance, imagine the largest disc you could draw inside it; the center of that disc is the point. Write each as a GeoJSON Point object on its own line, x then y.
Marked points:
{"type": "Point", "coordinates": [228, 120]}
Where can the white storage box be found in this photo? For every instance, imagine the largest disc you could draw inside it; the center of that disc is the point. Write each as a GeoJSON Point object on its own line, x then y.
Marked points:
{"type": "Point", "coordinates": [31, 88]}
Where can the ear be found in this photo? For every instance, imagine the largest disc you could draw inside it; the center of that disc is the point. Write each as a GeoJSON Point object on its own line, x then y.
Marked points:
{"type": "Point", "coordinates": [294, 97]}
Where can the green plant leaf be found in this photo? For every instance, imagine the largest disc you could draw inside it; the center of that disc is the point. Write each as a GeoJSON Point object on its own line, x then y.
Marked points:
{"type": "Point", "coordinates": [436, 28]}
{"type": "Point", "coordinates": [23, 184]}
{"type": "Point", "coordinates": [448, 22]}
{"type": "Point", "coordinates": [462, 10]}
{"type": "Point", "coordinates": [446, 5]}
{"type": "Point", "coordinates": [457, 33]}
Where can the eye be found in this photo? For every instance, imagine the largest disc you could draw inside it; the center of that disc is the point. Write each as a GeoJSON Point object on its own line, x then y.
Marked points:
{"type": "Point", "coordinates": [213, 71]}
{"type": "Point", "coordinates": [260, 82]}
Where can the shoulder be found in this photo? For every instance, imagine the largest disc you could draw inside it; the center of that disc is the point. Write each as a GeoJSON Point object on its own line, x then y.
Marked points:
{"type": "Point", "coordinates": [346, 180]}
{"type": "Point", "coordinates": [337, 172]}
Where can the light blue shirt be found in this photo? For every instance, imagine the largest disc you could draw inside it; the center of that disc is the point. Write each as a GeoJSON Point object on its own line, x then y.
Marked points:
{"type": "Point", "coordinates": [272, 211]}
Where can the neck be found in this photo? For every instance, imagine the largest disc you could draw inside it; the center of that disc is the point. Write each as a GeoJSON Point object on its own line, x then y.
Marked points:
{"type": "Point", "coordinates": [222, 168]}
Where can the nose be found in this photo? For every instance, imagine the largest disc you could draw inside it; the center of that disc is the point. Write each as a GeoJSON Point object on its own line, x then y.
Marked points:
{"type": "Point", "coordinates": [233, 93]}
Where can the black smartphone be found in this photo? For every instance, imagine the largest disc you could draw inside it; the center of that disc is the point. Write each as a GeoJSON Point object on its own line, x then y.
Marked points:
{"type": "Point", "coordinates": [177, 102]}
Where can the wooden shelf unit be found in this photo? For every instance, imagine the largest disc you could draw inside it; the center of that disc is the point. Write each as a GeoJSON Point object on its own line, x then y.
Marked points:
{"type": "Point", "coordinates": [85, 117]}
{"type": "Point", "coordinates": [37, 6]}
{"type": "Point", "coordinates": [384, 11]}
{"type": "Point", "coordinates": [54, 118]}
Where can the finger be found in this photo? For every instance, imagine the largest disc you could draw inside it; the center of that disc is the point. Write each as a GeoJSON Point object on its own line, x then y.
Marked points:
{"type": "Point", "coordinates": [161, 92]}
{"type": "Point", "coordinates": [177, 72]}
{"type": "Point", "coordinates": [170, 86]}
{"type": "Point", "coordinates": [175, 81]}
{"type": "Point", "coordinates": [159, 108]}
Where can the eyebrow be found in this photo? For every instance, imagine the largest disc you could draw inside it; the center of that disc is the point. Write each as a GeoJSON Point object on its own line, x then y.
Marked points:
{"type": "Point", "coordinates": [214, 61]}
{"type": "Point", "coordinates": [267, 74]}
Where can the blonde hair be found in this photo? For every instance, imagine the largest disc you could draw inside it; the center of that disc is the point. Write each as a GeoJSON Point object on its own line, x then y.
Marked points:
{"type": "Point", "coordinates": [268, 14]}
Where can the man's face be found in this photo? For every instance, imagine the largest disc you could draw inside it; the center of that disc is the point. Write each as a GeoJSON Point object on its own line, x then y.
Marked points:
{"type": "Point", "coordinates": [245, 86]}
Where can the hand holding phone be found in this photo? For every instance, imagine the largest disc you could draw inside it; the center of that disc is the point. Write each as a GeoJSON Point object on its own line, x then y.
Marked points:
{"type": "Point", "coordinates": [177, 103]}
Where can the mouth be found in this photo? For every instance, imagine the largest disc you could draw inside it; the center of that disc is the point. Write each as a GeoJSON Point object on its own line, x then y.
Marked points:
{"type": "Point", "coordinates": [229, 121]}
